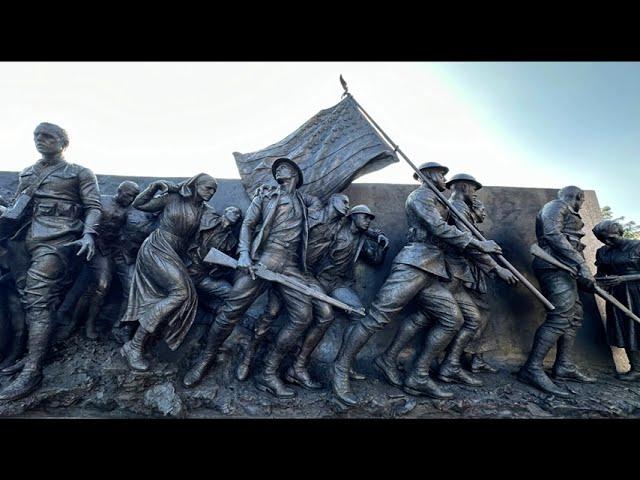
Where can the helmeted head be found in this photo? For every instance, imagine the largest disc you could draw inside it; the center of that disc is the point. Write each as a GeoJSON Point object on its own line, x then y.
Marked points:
{"type": "Point", "coordinates": [361, 216]}
{"type": "Point", "coordinates": [284, 169]}
{"type": "Point", "coordinates": [232, 214]}
{"type": "Point", "coordinates": [572, 195]}
{"type": "Point", "coordinates": [435, 172]}
{"type": "Point", "coordinates": [340, 202]}
{"type": "Point", "coordinates": [50, 139]}
{"type": "Point", "coordinates": [608, 232]}
{"type": "Point", "coordinates": [465, 185]}
{"type": "Point", "coordinates": [127, 193]}
{"type": "Point", "coordinates": [478, 210]}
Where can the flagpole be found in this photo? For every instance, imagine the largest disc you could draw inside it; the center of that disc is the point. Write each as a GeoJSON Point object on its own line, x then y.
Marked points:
{"type": "Point", "coordinates": [447, 203]}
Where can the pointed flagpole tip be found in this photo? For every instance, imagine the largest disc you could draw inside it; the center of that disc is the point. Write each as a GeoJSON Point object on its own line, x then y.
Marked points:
{"type": "Point", "coordinates": [344, 84]}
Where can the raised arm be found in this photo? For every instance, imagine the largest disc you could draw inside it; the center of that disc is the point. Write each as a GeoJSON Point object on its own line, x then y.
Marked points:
{"type": "Point", "coordinates": [146, 201]}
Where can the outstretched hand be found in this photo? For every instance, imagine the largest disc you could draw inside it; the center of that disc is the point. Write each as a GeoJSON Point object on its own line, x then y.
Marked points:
{"type": "Point", "coordinates": [506, 275]}
{"type": "Point", "coordinates": [86, 245]}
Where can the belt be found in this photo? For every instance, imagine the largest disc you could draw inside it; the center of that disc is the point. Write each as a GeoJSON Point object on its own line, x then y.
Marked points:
{"type": "Point", "coordinates": [56, 208]}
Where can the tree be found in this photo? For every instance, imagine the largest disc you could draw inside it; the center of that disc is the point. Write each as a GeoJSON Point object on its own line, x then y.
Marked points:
{"type": "Point", "coordinates": [630, 228]}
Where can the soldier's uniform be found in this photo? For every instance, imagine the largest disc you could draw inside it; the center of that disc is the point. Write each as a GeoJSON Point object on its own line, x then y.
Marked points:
{"type": "Point", "coordinates": [559, 233]}
{"type": "Point", "coordinates": [275, 232]}
{"type": "Point", "coordinates": [65, 207]}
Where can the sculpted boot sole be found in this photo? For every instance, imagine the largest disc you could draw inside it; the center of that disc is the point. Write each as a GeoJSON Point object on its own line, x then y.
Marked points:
{"type": "Point", "coordinates": [269, 389]}
{"type": "Point", "coordinates": [387, 370]}
{"type": "Point", "coordinates": [525, 376]}
{"type": "Point", "coordinates": [21, 390]}
{"type": "Point", "coordinates": [460, 377]}
{"type": "Point", "coordinates": [573, 376]}
{"type": "Point", "coordinates": [427, 388]}
{"type": "Point", "coordinates": [309, 384]}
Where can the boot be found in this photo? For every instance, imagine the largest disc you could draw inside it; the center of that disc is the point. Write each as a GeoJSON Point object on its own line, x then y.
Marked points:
{"type": "Point", "coordinates": [268, 380]}
{"type": "Point", "coordinates": [244, 367]}
{"type": "Point", "coordinates": [532, 372]}
{"type": "Point", "coordinates": [298, 372]}
{"type": "Point", "coordinates": [388, 361]}
{"type": "Point", "coordinates": [633, 375]}
{"type": "Point", "coordinates": [31, 375]}
{"type": "Point", "coordinates": [564, 368]}
{"type": "Point", "coordinates": [451, 369]}
{"type": "Point", "coordinates": [352, 344]}
{"type": "Point", "coordinates": [419, 382]}
{"type": "Point", "coordinates": [353, 374]}
{"type": "Point", "coordinates": [133, 351]}
{"type": "Point", "coordinates": [479, 364]}
{"type": "Point", "coordinates": [217, 336]}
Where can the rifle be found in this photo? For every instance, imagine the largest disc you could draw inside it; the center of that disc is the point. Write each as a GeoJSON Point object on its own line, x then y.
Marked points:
{"type": "Point", "coordinates": [623, 278]}
{"type": "Point", "coordinates": [536, 251]}
{"type": "Point", "coordinates": [217, 257]}
{"type": "Point", "coordinates": [467, 224]}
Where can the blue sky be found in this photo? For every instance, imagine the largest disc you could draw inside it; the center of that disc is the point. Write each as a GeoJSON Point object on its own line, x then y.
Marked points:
{"type": "Point", "coordinates": [515, 124]}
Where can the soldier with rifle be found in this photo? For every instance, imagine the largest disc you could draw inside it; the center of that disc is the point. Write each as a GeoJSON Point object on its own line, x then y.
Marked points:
{"type": "Point", "coordinates": [57, 207]}
{"type": "Point", "coordinates": [559, 233]}
{"type": "Point", "coordinates": [279, 245]}
{"type": "Point", "coordinates": [418, 273]}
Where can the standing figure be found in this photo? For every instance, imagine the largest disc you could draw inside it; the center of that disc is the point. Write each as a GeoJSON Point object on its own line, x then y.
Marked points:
{"type": "Point", "coordinates": [321, 233]}
{"type": "Point", "coordinates": [463, 267]}
{"type": "Point", "coordinates": [64, 211]}
{"type": "Point", "coordinates": [559, 231]}
{"type": "Point", "coordinates": [485, 340]}
{"type": "Point", "coordinates": [418, 273]}
{"type": "Point", "coordinates": [108, 257]}
{"type": "Point", "coordinates": [620, 257]}
{"type": "Point", "coordinates": [215, 231]}
{"type": "Point", "coordinates": [280, 244]}
{"type": "Point", "coordinates": [162, 294]}
{"type": "Point", "coordinates": [334, 270]}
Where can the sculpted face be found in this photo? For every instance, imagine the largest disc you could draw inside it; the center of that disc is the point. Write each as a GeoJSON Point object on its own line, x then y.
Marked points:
{"type": "Point", "coordinates": [48, 144]}
{"type": "Point", "coordinates": [232, 214]}
{"type": "Point", "coordinates": [437, 177]}
{"type": "Point", "coordinates": [206, 187]}
{"type": "Point", "coordinates": [362, 220]}
{"type": "Point", "coordinates": [574, 196]}
{"type": "Point", "coordinates": [341, 203]}
{"type": "Point", "coordinates": [467, 189]}
{"type": "Point", "coordinates": [286, 173]}
{"type": "Point", "coordinates": [127, 193]}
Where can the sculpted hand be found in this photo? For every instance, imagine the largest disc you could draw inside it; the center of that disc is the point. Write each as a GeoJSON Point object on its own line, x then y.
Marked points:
{"type": "Point", "coordinates": [489, 246]}
{"type": "Point", "coordinates": [506, 275]}
{"type": "Point", "coordinates": [585, 273]}
{"type": "Point", "coordinates": [86, 244]}
{"type": "Point", "coordinates": [610, 281]}
{"type": "Point", "coordinates": [244, 263]}
{"type": "Point", "coordinates": [383, 240]}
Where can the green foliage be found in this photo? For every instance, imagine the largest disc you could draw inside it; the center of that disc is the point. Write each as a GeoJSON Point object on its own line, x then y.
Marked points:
{"type": "Point", "coordinates": [631, 229]}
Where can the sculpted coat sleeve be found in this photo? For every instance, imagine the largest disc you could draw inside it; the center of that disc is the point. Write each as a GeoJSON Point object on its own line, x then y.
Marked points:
{"type": "Point", "coordinates": [553, 222]}
{"type": "Point", "coordinates": [90, 195]}
{"type": "Point", "coordinates": [251, 219]}
{"type": "Point", "coordinates": [427, 211]}
{"type": "Point", "coordinates": [146, 201]}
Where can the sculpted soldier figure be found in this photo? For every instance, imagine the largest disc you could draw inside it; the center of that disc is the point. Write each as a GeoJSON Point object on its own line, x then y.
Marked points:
{"type": "Point", "coordinates": [418, 272]}
{"type": "Point", "coordinates": [618, 263]}
{"type": "Point", "coordinates": [559, 231]}
{"type": "Point", "coordinates": [108, 257]}
{"type": "Point", "coordinates": [321, 234]}
{"type": "Point", "coordinates": [334, 270]}
{"type": "Point", "coordinates": [215, 231]}
{"type": "Point", "coordinates": [63, 212]}
{"type": "Point", "coordinates": [162, 293]}
{"type": "Point", "coordinates": [462, 266]}
{"type": "Point", "coordinates": [485, 340]}
{"type": "Point", "coordinates": [280, 244]}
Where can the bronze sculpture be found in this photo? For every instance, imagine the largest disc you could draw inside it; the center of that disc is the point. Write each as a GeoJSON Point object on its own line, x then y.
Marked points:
{"type": "Point", "coordinates": [162, 293]}
{"type": "Point", "coordinates": [109, 258]}
{"type": "Point", "coordinates": [61, 210]}
{"type": "Point", "coordinates": [618, 262]}
{"type": "Point", "coordinates": [280, 245]}
{"type": "Point", "coordinates": [417, 273]}
{"type": "Point", "coordinates": [559, 233]}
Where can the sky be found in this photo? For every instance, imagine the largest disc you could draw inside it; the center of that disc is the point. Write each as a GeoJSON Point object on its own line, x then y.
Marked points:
{"type": "Point", "coordinates": [523, 124]}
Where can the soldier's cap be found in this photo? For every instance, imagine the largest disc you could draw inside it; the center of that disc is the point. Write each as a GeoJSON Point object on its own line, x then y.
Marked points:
{"type": "Point", "coordinates": [290, 162]}
{"type": "Point", "coordinates": [431, 165]}
{"type": "Point", "coordinates": [362, 209]}
{"type": "Point", "coordinates": [464, 177]}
